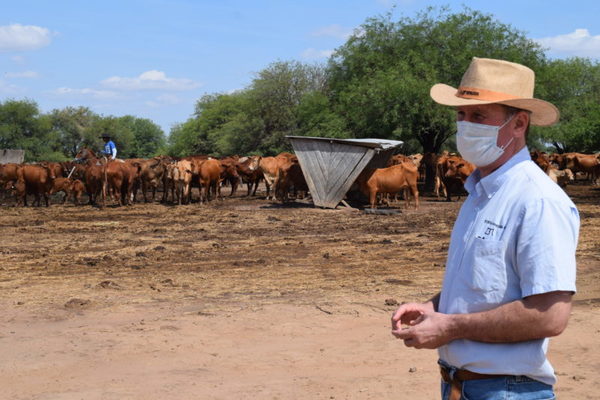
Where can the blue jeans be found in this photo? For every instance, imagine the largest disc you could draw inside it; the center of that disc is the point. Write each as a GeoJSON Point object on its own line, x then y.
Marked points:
{"type": "Point", "coordinates": [503, 388]}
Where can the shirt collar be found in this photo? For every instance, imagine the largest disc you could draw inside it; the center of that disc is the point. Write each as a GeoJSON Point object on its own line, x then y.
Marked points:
{"type": "Point", "coordinates": [491, 183]}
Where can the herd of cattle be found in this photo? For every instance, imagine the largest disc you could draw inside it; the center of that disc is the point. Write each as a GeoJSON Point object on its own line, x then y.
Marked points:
{"type": "Point", "coordinates": [451, 170]}
{"type": "Point", "coordinates": [120, 180]}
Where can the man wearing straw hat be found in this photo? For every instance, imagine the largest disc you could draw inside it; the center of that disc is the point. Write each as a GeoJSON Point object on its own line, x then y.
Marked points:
{"type": "Point", "coordinates": [510, 272]}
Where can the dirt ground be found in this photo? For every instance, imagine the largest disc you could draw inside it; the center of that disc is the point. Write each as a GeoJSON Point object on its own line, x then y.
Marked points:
{"type": "Point", "coordinates": [241, 298]}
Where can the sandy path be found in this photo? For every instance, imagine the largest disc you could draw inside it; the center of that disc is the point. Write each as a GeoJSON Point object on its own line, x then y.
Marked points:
{"type": "Point", "coordinates": [280, 351]}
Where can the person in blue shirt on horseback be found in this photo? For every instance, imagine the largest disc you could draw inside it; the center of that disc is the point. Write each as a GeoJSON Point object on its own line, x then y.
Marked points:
{"type": "Point", "coordinates": [110, 150]}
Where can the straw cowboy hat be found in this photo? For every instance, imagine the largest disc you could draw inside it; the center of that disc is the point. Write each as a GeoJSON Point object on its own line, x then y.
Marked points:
{"type": "Point", "coordinates": [489, 81]}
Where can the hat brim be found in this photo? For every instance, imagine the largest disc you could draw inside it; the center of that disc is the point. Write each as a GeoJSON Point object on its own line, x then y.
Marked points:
{"type": "Point", "coordinates": [543, 113]}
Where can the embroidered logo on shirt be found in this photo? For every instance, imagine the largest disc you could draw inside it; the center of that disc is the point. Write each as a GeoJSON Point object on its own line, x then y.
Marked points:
{"type": "Point", "coordinates": [491, 229]}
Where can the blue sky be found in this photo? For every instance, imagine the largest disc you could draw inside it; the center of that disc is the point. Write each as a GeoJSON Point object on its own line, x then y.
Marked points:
{"type": "Point", "coordinates": [154, 58]}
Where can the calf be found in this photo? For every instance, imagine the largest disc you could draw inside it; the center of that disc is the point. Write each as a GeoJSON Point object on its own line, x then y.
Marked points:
{"type": "Point", "coordinates": [72, 188]}
{"type": "Point", "coordinates": [8, 177]}
{"type": "Point", "coordinates": [561, 177]}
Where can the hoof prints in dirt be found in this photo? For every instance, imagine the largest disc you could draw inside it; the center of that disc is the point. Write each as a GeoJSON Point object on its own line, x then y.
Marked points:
{"type": "Point", "coordinates": [77, 304]}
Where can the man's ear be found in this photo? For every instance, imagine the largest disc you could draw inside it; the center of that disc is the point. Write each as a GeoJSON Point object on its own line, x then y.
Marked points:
{"type": "Point", "coordinates": [521, 122]}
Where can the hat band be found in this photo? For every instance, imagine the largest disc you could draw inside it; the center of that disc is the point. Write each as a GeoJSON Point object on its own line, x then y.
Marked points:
{"type": "Point", "coordinates": [483, 94]}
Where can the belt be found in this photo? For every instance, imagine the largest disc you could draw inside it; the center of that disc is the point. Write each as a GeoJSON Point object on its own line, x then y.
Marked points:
{"type": "Point", "coordinates": [455, 378]}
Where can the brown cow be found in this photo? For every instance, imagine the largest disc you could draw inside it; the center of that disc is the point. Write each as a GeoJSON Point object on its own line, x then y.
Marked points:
{"type": "Point", "coordinates": [417, 160]}
{"type": "Point", "coordinates": [196, 160]}
{"type": "Point", "coordinates": [439, 163]}
{"type": "Point", "coordinates": [433, 164]}
{"type": "Point", "coordinates": [390, 180]}
{"type": "Point", "coordinates": [454, 172]}
{"type": "Point", "coordinates": [269, 167]}
{"type": "Point", "coordinates": [36, 180]}
{"type": "Point", "coordinates": [182, 175]}
{"type": "Point", "coordinates": [151, 174]}
{"type": "Point", "coordinates": [587, 163]}
{"type": "Point", "coordinates": [541, 159]}
{"type": "Point", "coordinates": [8, 174]}
{"type": "Point", "coordinates": [208, 172]}
{"type": "Point", "coordinates": [57, 168]}
{"type": "Point", "coordinates": [120, 178]}
{"type": "Point", "coordinates": [398, 159]}
{"type": "Point", "coordinates": [169, 178]}
{"type": "Point", "coordinates": [289, 175]}
{"type": "Point", "coordinates": [229, 173]}
{"type": "Point", "coordinates": [95, 178]}
{"type": "Point", "coordinates": [247, 169]}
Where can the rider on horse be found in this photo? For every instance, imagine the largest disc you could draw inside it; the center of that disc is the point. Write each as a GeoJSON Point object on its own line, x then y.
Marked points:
{"type": "Point", "coordinates": [110, 150]}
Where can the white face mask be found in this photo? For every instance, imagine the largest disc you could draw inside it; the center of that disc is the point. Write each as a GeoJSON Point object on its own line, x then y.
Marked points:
{"type": "Point", "coordinates": [477, 142]}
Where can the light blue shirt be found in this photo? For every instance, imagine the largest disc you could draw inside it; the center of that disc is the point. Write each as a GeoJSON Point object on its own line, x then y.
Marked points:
{"type": "Point", "coordinates": [515, 236]}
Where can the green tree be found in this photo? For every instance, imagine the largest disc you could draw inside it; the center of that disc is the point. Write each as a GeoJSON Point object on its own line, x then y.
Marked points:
{"type": "Point", "coordinates": [276, 93]}
{"type": "Point", "coordinates": [256, 119]}
{"type": "Point", "coordinates": [23, 127]}
{"type": "Point", "coordinates": [380, 78]}
{"type": "Point", "coordinates": [573, 85]}
{"type": "Point", "coordinates": [223, 124]}
{"type": "Point", "coordinates": [147, 138]}
{"type": "Point", "coordinates": [71, 124]}
{"type": "Point", "coordinates": [186, 139]}
{"type": "Point", "coordinates": [317, 118]}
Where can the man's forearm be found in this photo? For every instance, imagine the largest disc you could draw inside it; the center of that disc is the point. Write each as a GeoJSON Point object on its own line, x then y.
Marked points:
{"type": "Point", "coordinates": [528, 319]}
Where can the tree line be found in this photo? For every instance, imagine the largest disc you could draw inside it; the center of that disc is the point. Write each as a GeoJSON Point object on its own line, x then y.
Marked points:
{"type": "Point", "coordinates": [59, 134]}
{"type": "Point", "coordinates": [374, 85]}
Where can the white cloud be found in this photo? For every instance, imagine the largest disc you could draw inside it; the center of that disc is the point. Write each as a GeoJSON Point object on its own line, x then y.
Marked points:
{"type": "Point", "coordinates": [336, 31]}
{"type": "Point", "coordinates": [577, 43]}
{"type": "Point", "coordinates": [22, 74]}
{"type": "Point", "coordinates": [85, 92]}
{"type": "Point", "coordinates": [150, 80]}
{"type": "Point", "coordinates": [314, 54]}
{"type": "Point", "coordinates": [18, 37]}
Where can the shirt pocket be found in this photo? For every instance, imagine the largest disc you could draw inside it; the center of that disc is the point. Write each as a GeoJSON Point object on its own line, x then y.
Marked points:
{"type": "Point", "coordinates": [488, 267]}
